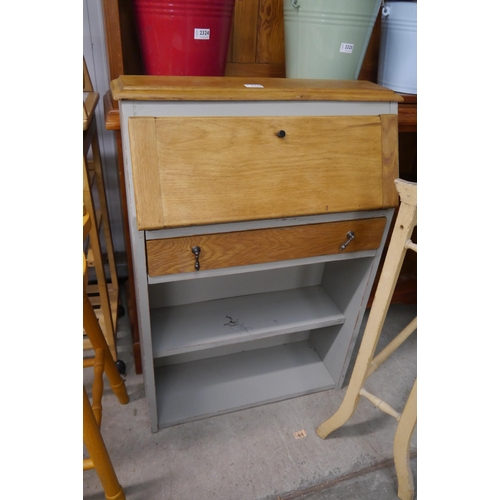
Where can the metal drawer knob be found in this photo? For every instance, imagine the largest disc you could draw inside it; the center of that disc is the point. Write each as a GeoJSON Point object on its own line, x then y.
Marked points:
{"type": "Point", "coordinates": [281, 134]}
{"type": "Point", "coordinates": [350, 237]}
{"type": "Point", "coordinates": [196, 251]}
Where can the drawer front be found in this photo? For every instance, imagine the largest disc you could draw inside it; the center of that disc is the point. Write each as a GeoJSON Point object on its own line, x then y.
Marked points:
{"type": "Point", "coordinates": [240, 248]}
{"type": "Point", "coordinates": [205, 170]}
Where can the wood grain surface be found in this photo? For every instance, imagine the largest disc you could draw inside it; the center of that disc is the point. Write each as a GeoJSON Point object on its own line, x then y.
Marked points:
{"type": "Point", "coordinates": [174, 255]}
{"type": "Point", "coordinates": [206, 170]}
{"type": "Point", "coordinates": [218, 88]}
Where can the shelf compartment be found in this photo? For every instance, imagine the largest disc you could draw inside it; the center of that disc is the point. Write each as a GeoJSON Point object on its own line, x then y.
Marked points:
{"type": "Point", "coordinates": [193, 327]}
{"type": "Point", "coordinates": [199, 389]}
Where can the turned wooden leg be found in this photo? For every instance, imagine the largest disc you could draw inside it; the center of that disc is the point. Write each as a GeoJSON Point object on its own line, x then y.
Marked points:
{"type": "Point", "coordinates": [404, 431]}
{"type": "Point", "coordinates": [96, 448]}
{"type": "Point", "coordinates": [96, 337]}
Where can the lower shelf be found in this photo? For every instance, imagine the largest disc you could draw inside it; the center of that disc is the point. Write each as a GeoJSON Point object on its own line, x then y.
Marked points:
{"type": "Point", "coordinates": [199, 389]}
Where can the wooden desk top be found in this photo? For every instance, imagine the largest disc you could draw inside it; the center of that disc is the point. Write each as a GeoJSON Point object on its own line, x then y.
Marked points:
{"type": "Point", "coordinates": [233, 88]}
{"type": "Point", "coordinates": [242, 88]}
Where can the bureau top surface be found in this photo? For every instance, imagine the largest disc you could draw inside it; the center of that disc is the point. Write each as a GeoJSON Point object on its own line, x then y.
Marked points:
{"type": "Point", "coordinates": [202, 88]}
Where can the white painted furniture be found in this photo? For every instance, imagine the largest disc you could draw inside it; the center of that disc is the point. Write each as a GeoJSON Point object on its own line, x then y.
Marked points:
{"type": "Point", "coordinates": [258, 214]}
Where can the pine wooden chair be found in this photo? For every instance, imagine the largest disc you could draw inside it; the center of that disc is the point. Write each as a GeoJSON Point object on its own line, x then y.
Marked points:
{"type": "Point", "coordinates": [366, 363]}
{"type": "Point", "coordinates": [104, 294]}
{"type": "Point", "coordinates": [103, 363]}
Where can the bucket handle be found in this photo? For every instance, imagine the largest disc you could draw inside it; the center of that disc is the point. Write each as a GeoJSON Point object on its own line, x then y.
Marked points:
{"type": "Point", "coordinates": [295, 4]}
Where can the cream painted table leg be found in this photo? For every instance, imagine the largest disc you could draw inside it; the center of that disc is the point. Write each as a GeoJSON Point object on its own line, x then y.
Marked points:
{"type": "Point", "coordinates": [404, 431]}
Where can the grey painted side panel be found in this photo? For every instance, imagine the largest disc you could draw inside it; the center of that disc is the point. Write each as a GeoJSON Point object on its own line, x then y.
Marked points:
{"type": "Point", "coordinates": [143, 317]}
{"type": "Point", "coordinates": [349, 285]}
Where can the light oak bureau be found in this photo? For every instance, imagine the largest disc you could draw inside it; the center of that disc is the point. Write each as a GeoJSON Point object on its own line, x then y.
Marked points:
{"type": "Point", "coordinates": [258, 213]}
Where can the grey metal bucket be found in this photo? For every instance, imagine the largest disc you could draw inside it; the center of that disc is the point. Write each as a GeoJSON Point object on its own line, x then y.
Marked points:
{"type": "Point", "coordinates": [327, 38]}
{"type": "Point", "coordinates": [397, 67]}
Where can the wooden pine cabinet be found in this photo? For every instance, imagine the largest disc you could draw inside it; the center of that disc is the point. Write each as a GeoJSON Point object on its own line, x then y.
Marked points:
{"type": "Point", "coordinates": [258, 212]}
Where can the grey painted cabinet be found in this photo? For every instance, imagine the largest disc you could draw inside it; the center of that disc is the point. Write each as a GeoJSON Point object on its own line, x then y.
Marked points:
{"type": "Point", "coordinates": [258, 214]}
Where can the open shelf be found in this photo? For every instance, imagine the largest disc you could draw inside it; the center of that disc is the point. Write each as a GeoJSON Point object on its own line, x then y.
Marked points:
{"type": "Point", "coordinates": [189, 391]}
{"type": "Point", "coordinates": [202, 325]}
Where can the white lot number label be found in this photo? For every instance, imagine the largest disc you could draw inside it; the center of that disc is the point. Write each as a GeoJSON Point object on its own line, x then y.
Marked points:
{"type": "Point", "coordinates": [201, 34]}
{"type": "Point", "coordinates": [347, 48]}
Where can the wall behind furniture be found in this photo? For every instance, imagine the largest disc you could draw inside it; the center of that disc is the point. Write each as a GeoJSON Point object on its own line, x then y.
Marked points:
{"type": "Point", "coordinates": [94, 51]}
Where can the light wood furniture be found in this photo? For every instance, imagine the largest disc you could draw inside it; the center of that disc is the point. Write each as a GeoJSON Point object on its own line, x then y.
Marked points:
{"type": "Point", "coordinates": [102, 362]}
{"type": "Point", "coordinates": [367, 362]}
{"type": "Point", "coordinates": [258, 211]}
{"type": "Point", "coordinates": [103, 294]}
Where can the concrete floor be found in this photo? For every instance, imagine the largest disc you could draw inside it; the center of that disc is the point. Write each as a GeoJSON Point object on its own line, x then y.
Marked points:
{"type": "Point", "coordinates": [252, 454]}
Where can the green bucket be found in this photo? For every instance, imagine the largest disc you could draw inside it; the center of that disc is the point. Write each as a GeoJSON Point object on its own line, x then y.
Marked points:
{"type": "Point", "coordinates": [327, 38]}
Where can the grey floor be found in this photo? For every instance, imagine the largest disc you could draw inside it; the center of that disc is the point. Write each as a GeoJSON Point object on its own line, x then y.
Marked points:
{"type": "Point", "coordinates": [252, 454]}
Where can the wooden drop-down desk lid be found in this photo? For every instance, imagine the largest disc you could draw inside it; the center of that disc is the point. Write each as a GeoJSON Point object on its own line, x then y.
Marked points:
{"type": "Point", "coordinates": [191, 170]}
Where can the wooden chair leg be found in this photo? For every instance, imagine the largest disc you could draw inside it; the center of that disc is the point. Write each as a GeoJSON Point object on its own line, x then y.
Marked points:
{"type": "Point", "coordinates": [94, 333]}
{"type": "Point", "coordinates": [95, 245]}
{"type": "Point", "coordinates": [96, 448]}
{"type": "Point", "coordinates": [403, 229]}
{"type": "Point", "coordinates": [404, 431]}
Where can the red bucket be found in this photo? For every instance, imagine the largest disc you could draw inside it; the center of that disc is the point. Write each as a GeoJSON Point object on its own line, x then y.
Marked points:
{"type": "Point", "coordinates": [184, 37]}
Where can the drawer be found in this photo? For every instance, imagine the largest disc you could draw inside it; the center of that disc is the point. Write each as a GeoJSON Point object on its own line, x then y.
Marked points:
{"type": "Point", "coordinates": [206, 170]}
{"type": "Point", "coordinates": [240, 248]}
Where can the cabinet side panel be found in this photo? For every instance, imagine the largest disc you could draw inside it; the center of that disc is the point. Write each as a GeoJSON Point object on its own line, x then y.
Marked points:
{"type": "Point", "coordinates": [143, 317]}
{"type": "Point", "coordinates": [346, 283]}
{"type": "Point", "coordinates": [349, 285]}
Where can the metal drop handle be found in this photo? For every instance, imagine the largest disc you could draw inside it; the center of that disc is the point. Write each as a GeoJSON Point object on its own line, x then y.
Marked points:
{"type": "Point", "coordinates": [196, 251]}
{"type": "Point", "coordinates": [295, 4]}
{"type": "Point", "coordinates": [350, 237]}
